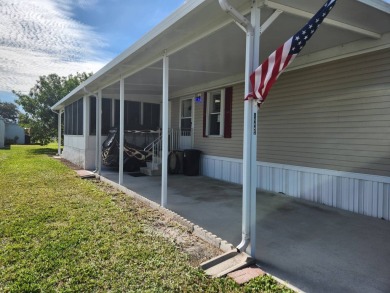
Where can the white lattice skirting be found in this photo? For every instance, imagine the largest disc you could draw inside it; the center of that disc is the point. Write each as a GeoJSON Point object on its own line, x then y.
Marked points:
{"type": "Point", "coordinates": [360, 193]}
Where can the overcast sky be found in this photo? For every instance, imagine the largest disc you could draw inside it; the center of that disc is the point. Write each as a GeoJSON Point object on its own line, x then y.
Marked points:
{"type": "Point", "coordinates": [39, 37]}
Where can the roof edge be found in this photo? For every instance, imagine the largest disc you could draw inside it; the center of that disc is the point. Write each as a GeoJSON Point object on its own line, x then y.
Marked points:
{"type": "Point", "coordinates": [179, 13]}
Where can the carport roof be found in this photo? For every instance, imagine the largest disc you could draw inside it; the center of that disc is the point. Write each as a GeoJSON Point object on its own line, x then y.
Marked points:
{"type": "Point", "coordinates": [207, 49]}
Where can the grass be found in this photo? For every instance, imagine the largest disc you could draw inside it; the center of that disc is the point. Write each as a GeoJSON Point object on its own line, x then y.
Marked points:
{"type": "Point", "coordinates": [59, 233]}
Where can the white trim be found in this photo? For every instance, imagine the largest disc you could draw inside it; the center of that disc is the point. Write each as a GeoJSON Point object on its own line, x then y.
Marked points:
{"type": "Point", "coordinates": [378, 4]}
{"type": "Point", "coordinates": [341, 52]}
{"type": "Point", "coordinates": [327, 20]}
{"type": "Point", "coordinates": [85, 124]}
{"type": "Point", "coordinates": [164, 153]}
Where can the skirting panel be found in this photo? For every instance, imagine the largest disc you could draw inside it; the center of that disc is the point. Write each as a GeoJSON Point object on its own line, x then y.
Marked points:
{"type": "Point", "coordinates": [360, 193]}
{"type": "Point", "coordinates": [74, 155]}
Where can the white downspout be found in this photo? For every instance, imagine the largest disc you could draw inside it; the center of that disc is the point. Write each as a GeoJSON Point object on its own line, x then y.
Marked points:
{"type": "Point", "coordinates": [250, 129]}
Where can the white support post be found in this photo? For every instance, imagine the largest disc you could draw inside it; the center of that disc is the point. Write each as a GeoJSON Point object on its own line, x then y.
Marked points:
{"type": "Point", "coordinates": [164, 166]}
{"type": "Point", "coordinates": [59, 132]}
{"type": "Point", "coordinates": [121, 128]}
{"type": "Point", "coordinates": [248, 242]}
{"type": "Point", "coordinates": [247, 147]}
{"type": "Point", "coordinates": [98, 131]}
{"type": "Point", "coordinates": [255, 21]}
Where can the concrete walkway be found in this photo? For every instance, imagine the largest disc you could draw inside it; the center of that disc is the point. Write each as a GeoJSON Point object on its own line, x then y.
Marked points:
{"type": "Point", "coordinates": [313, 247]}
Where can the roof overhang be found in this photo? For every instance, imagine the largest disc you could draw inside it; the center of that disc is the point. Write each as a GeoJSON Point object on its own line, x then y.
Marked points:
{"type": "Point", "coordinates": [207, 49]}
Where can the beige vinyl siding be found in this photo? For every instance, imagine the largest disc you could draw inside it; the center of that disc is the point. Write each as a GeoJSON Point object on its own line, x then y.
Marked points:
{"type": "Point", "coordinates": [331, 116]}
{"type": "Point", "coordinates": [219, 146]}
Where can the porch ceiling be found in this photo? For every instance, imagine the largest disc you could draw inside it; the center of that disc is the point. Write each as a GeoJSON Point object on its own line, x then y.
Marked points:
{"type": "Point", "coordinates": [206, 48]}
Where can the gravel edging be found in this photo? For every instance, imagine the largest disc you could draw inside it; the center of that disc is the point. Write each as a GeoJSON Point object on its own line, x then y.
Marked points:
{"type": "Point", "coordinates": [196, 230]}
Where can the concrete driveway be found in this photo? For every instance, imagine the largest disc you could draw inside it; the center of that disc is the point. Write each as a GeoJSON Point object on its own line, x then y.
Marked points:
{"type": "Point", "coordinates": [313, 247]}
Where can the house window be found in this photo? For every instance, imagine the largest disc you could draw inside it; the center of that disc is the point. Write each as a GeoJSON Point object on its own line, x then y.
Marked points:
{"type": "Point", "coordinates": [74, 118]}
{"type": "Point", "coordinates": [215, 113]}
{"type": "Point", "coordinates": [186, 117]}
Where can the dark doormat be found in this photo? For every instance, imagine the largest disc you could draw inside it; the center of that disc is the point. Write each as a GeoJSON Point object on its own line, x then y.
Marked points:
{"type": "Point", "coordinates": [137, 174]}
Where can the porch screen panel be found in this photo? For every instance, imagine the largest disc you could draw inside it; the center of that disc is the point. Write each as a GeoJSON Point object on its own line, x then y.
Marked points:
{"type": "Point", "coordinates": [116, 113]}
{"type": "Point", "coordinates": [92, 115]}
{"type": "Point", "coordinates": [68, 119]}
{"type": "Point", "coordinates": [106, 116]}
{"type": "Point", "coordinates": [74, 118]}
{"type": "Point", "coordinates": [80, 116]}
{"type": "Point", "coordinates": [151, 116]}
{"type": "Point", "coordinates": [133, 115]}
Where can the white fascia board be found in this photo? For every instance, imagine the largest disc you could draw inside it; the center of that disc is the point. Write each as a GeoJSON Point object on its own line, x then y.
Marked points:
{"type": "Point", "coordinates": [157, 30]}
{"type": "Point", "coordinates": [341, 52]}
{"type": "Point", "coordinates": [378, 4]}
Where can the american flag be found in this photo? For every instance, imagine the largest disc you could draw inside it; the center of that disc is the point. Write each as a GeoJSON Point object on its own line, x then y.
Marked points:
{"type": "Point", "coordinates": [268, 72]}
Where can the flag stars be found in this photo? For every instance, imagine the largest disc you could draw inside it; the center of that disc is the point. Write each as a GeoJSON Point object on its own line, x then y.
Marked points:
{"type": "Point", "coordinates": [303, 32]}
{"type": "Point", "coordinates": [297, 38]}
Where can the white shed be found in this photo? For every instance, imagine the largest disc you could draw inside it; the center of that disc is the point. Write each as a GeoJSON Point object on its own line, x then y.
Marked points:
{"type": "Point", "coordinates": [2, 132]}
{"type": "Point", "coordinates": [14, 132]}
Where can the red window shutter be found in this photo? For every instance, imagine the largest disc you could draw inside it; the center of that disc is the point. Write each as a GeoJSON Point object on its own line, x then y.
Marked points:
{"type": "Point", "coordinates": [228, 112]}
{"type": "Point", "coordinates": [204, 113]}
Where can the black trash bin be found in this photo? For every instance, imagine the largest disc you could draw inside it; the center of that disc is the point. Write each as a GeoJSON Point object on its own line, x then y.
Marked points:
{"type": "Point", "coordinates": [191, 161]}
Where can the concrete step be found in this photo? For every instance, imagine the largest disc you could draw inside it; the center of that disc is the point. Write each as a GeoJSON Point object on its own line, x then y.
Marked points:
{"type": "Point", "coordinates": [150, 172]}
{"type": "Point", "coordinates": [149, 165]}
{"type": "Point", "coordinates": [226, 263]}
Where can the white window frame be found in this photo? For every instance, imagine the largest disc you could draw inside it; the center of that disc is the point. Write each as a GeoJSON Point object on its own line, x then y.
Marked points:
{"type": "Point", "coordinates": [192, 111]}
{"type": "Point", "coordinates": [222, 113]}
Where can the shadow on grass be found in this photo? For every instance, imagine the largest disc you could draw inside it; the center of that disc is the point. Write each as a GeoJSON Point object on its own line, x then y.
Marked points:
{"type": "Point", "coordinates": [43, 151]}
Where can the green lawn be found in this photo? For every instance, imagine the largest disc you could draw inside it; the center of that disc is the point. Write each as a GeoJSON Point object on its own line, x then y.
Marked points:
{"type": "Point", "coordinates": [61, 233]}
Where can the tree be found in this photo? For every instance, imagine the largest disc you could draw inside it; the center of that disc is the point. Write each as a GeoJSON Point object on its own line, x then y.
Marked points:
{"type": "Point", "coordinates": [9, 111]}
{"type": "Point", "coordinates": [38, 116]}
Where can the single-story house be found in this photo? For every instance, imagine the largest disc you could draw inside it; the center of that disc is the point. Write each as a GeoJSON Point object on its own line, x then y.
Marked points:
{"type": "Point", "coordinates": [323, 133]}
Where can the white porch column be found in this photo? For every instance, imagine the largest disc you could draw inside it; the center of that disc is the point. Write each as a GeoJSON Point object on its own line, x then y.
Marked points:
{"type": "Point", "coordinates": [59, 132]}
{"type": "Point", "coordinates": [85, 127]}
{"type": "Point", "coordinates": [98, 162]}
{"type": "Point", "coordinates": [164, 167]}
{"type": "Point", "coordinates": [100, 95]}
{"type": "Point", "coordinates": [121, 128]}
